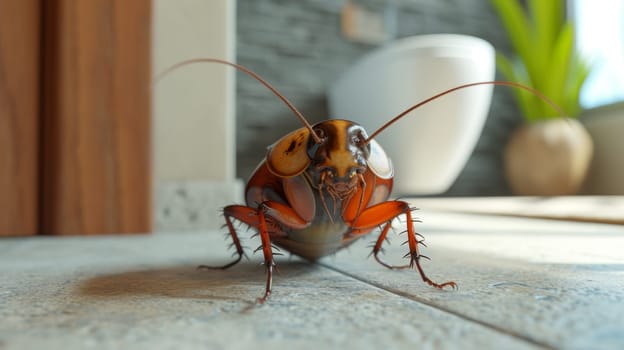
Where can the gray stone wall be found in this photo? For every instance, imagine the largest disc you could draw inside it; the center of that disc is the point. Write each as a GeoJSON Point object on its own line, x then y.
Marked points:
{"type": "Point", "coordinates": [298, 47]}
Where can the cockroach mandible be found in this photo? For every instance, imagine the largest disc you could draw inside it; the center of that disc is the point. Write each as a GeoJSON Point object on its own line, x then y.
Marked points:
{"type": "Point", "coordinates": [323, 186]}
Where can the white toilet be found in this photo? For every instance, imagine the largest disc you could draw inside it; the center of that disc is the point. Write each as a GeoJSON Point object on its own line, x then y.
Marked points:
{"type": "Point", "coordinates": [430, 146]}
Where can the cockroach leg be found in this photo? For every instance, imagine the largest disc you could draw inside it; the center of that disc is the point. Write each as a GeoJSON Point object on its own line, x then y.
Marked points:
{"type": "Point", "coordinates": [223, 267]}
{"type": "Point", "coordinates": [269, 284]}
{"type": "Point", "coordinates": [256, 218]}
{"type": "Point", "coordinates": [267, 250]}
{"type": "Point", "coordinates": [415, 260]}
{"type": "Point", "coordinates": [377, 248]}
{"type": "Point", "coordinates": [415, 255]}
{"type": "Point", "coordinates": [228, 213]}
{"type": "Point", "coordinates": [384, 213]}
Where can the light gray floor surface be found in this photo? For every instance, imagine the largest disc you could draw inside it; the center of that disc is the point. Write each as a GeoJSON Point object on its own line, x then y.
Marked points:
{"type": "Point", "coordinates": [523, 284]}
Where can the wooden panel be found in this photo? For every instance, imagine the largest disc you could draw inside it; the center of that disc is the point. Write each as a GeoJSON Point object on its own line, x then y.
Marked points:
{"type": "Point", "coordinates": [19, 109]}
{"type": "Point", "coordinates": [97, 117]}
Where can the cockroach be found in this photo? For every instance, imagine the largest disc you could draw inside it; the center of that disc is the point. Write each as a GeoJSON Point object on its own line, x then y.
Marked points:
{"type": "Point", "coordinates": [323, 186]}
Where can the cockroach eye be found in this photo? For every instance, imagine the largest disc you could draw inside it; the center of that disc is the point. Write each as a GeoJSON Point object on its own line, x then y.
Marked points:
{"type": "Point", "coordinates": [358, 138]}
{"type": "Point", "coordinates": [320, 133]}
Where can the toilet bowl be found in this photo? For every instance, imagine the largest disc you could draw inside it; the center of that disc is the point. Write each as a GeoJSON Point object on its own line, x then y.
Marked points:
{"type": "Point", "coordinates": [430, 146]}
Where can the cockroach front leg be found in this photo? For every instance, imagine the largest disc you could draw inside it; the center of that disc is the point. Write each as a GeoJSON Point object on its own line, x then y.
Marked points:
{"type": "Point", "coordinates": [267, 250]}
{"type": "Point", "coordinates": [244, 214]}
{"type": "Point", "coordinates": [256, 218]}
{"type": "Point", "coordinates": [415, 256]}
{"type": "Point", "coordinates": [383, 214]}
{"type": "Point", "coordinates": [377, 248]}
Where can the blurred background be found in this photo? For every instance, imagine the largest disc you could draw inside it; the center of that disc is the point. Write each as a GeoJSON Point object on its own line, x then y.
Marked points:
{"type": "Point", "coordinates": [90, 144]}
{"type": "Point", "coordinates": [302, 49]}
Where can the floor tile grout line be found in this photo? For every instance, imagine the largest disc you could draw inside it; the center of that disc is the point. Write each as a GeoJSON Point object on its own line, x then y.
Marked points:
{"type": "Point", "coordinates": [441, 308]}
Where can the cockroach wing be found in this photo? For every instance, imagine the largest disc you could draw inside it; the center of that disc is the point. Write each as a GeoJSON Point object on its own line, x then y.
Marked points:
{"type": "Point", "coordinates": [378, 162]}
{"type": "Point", "coordinates": [288, 156]}
{"type": "Point", "coordinates": [300, 197]}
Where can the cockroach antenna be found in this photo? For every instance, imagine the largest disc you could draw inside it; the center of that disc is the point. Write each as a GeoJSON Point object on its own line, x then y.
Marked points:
{"type": "Point", "coordinates": [247, 71]}
{"type": "Point", "coordinates": [434, 97]}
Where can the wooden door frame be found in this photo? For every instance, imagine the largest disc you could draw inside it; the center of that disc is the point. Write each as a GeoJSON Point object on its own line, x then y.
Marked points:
{"type": "Point", "coordinates": [80, 164]}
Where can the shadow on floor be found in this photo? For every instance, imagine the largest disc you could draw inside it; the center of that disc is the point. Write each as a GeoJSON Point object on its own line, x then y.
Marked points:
{"type": "Point", "coordinates": [186, 281]}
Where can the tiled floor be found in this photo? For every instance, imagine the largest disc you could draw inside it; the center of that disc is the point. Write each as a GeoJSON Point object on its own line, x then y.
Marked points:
{"type": "Point", "coordinates": [523, 283]}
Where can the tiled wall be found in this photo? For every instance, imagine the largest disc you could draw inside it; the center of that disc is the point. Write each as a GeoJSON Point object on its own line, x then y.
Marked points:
{"type": "Point", "coordinates": [297, 46]}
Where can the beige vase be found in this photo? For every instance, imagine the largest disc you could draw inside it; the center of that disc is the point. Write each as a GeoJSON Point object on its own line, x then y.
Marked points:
{"type": "Point", "coordinates": [548, 158]}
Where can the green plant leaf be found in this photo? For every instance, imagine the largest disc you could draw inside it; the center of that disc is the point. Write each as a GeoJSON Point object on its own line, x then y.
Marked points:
{"type": "Point", "coordinates": [578, 74]}
{"type": "Point", "coordinates": [547, 21]}
{"type": "Point", "coordinates": [545, 57]}
{"type": "Point", "coordinates": [558, 68]}
{"type": "Point", "coordinates": [517, 25]}
{"type": "Point", "coordinates": [513, 72]}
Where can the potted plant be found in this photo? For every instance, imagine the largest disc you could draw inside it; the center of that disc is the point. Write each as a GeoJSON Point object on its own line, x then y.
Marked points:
{"type": "Point", "coordinates": [549, 154]}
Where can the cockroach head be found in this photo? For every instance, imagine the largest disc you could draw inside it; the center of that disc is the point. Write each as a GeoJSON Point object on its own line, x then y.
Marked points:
{"type": "Point", "coordinates": [343, 151]}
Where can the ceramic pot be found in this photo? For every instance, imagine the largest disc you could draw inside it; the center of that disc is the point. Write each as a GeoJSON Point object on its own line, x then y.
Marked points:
{"type": "Point", "coordinates": [548, 158]}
